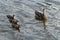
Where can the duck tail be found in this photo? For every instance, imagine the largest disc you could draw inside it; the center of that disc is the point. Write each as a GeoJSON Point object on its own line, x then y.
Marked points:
{"type": "Point", "coordinates": [18, 30]}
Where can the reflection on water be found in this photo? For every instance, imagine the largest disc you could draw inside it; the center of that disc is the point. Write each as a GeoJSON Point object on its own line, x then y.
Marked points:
{"type": "Point", "coordinates": [31, 29]}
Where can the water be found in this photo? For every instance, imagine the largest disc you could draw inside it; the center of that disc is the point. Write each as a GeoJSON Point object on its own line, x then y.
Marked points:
{"type": "Point", "coordinates": [31, 29]}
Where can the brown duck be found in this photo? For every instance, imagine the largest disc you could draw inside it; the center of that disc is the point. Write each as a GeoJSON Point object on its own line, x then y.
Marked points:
{"type": "Point", "coordinates": [41, 16]}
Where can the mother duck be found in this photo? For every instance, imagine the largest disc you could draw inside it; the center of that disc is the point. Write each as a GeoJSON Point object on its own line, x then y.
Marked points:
{"type": "Point", "coordinates": [41, 16]}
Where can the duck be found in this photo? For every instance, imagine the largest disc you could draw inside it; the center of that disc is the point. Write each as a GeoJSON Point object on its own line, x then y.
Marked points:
{"type": "Point", "coordinates": [41, 16]}
{"type": "Point", "coordinates": [16, 26]}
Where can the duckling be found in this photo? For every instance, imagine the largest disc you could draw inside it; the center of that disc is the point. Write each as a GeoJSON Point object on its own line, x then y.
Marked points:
{"type": "Point", "coordinates": [10, 17]}
{"type": "Point", "coordinates": [41, 16]}
{"type": "Point", "coordinates": [16, 26]}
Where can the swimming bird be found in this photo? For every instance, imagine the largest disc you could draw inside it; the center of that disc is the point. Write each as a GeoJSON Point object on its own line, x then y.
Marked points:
{"type": "Point", "coordinates": [14, 22]}
{"type": "Point", "coordinates": [41, 16]}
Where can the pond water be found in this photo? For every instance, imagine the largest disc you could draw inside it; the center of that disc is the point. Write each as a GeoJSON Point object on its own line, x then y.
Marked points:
{"type": "Point", "coordinates": [31, 29]}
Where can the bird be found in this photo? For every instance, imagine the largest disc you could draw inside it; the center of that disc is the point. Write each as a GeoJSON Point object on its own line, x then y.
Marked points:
{"type": "Point", "coordinates": [16, 26]}
{"type": "Point", "coordinates": [14, 22]}
{"type": "Point", "coordinates": [41, 16]}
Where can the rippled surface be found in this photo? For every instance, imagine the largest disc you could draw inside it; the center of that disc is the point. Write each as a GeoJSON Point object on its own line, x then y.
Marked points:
{"type": "Point", "coordinates": [31, 29]}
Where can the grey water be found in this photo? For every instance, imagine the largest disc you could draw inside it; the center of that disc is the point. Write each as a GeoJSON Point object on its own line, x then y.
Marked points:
{"type": "Point", "coordinates": [31, 29]}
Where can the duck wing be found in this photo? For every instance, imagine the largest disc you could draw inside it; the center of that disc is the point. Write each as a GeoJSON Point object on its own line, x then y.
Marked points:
{"type": "Point", "coordinates": [40, 15]}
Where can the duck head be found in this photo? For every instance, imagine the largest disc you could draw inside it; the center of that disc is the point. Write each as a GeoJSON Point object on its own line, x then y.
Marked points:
{"type": "Point", "coordinates": [10, 17]}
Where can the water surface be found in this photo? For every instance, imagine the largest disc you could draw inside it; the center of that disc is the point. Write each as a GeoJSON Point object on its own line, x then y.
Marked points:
{"type": "Point", "coordinates": [31, 29]}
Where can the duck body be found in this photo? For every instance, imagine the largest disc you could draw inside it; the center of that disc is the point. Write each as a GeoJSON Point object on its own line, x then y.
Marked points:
{"type": "Point", "coordinates": [40, 16]}
{"type": "Point", "coordinates": [13, 20]}
{"type": "Point", "coordinates": [16, 26]}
